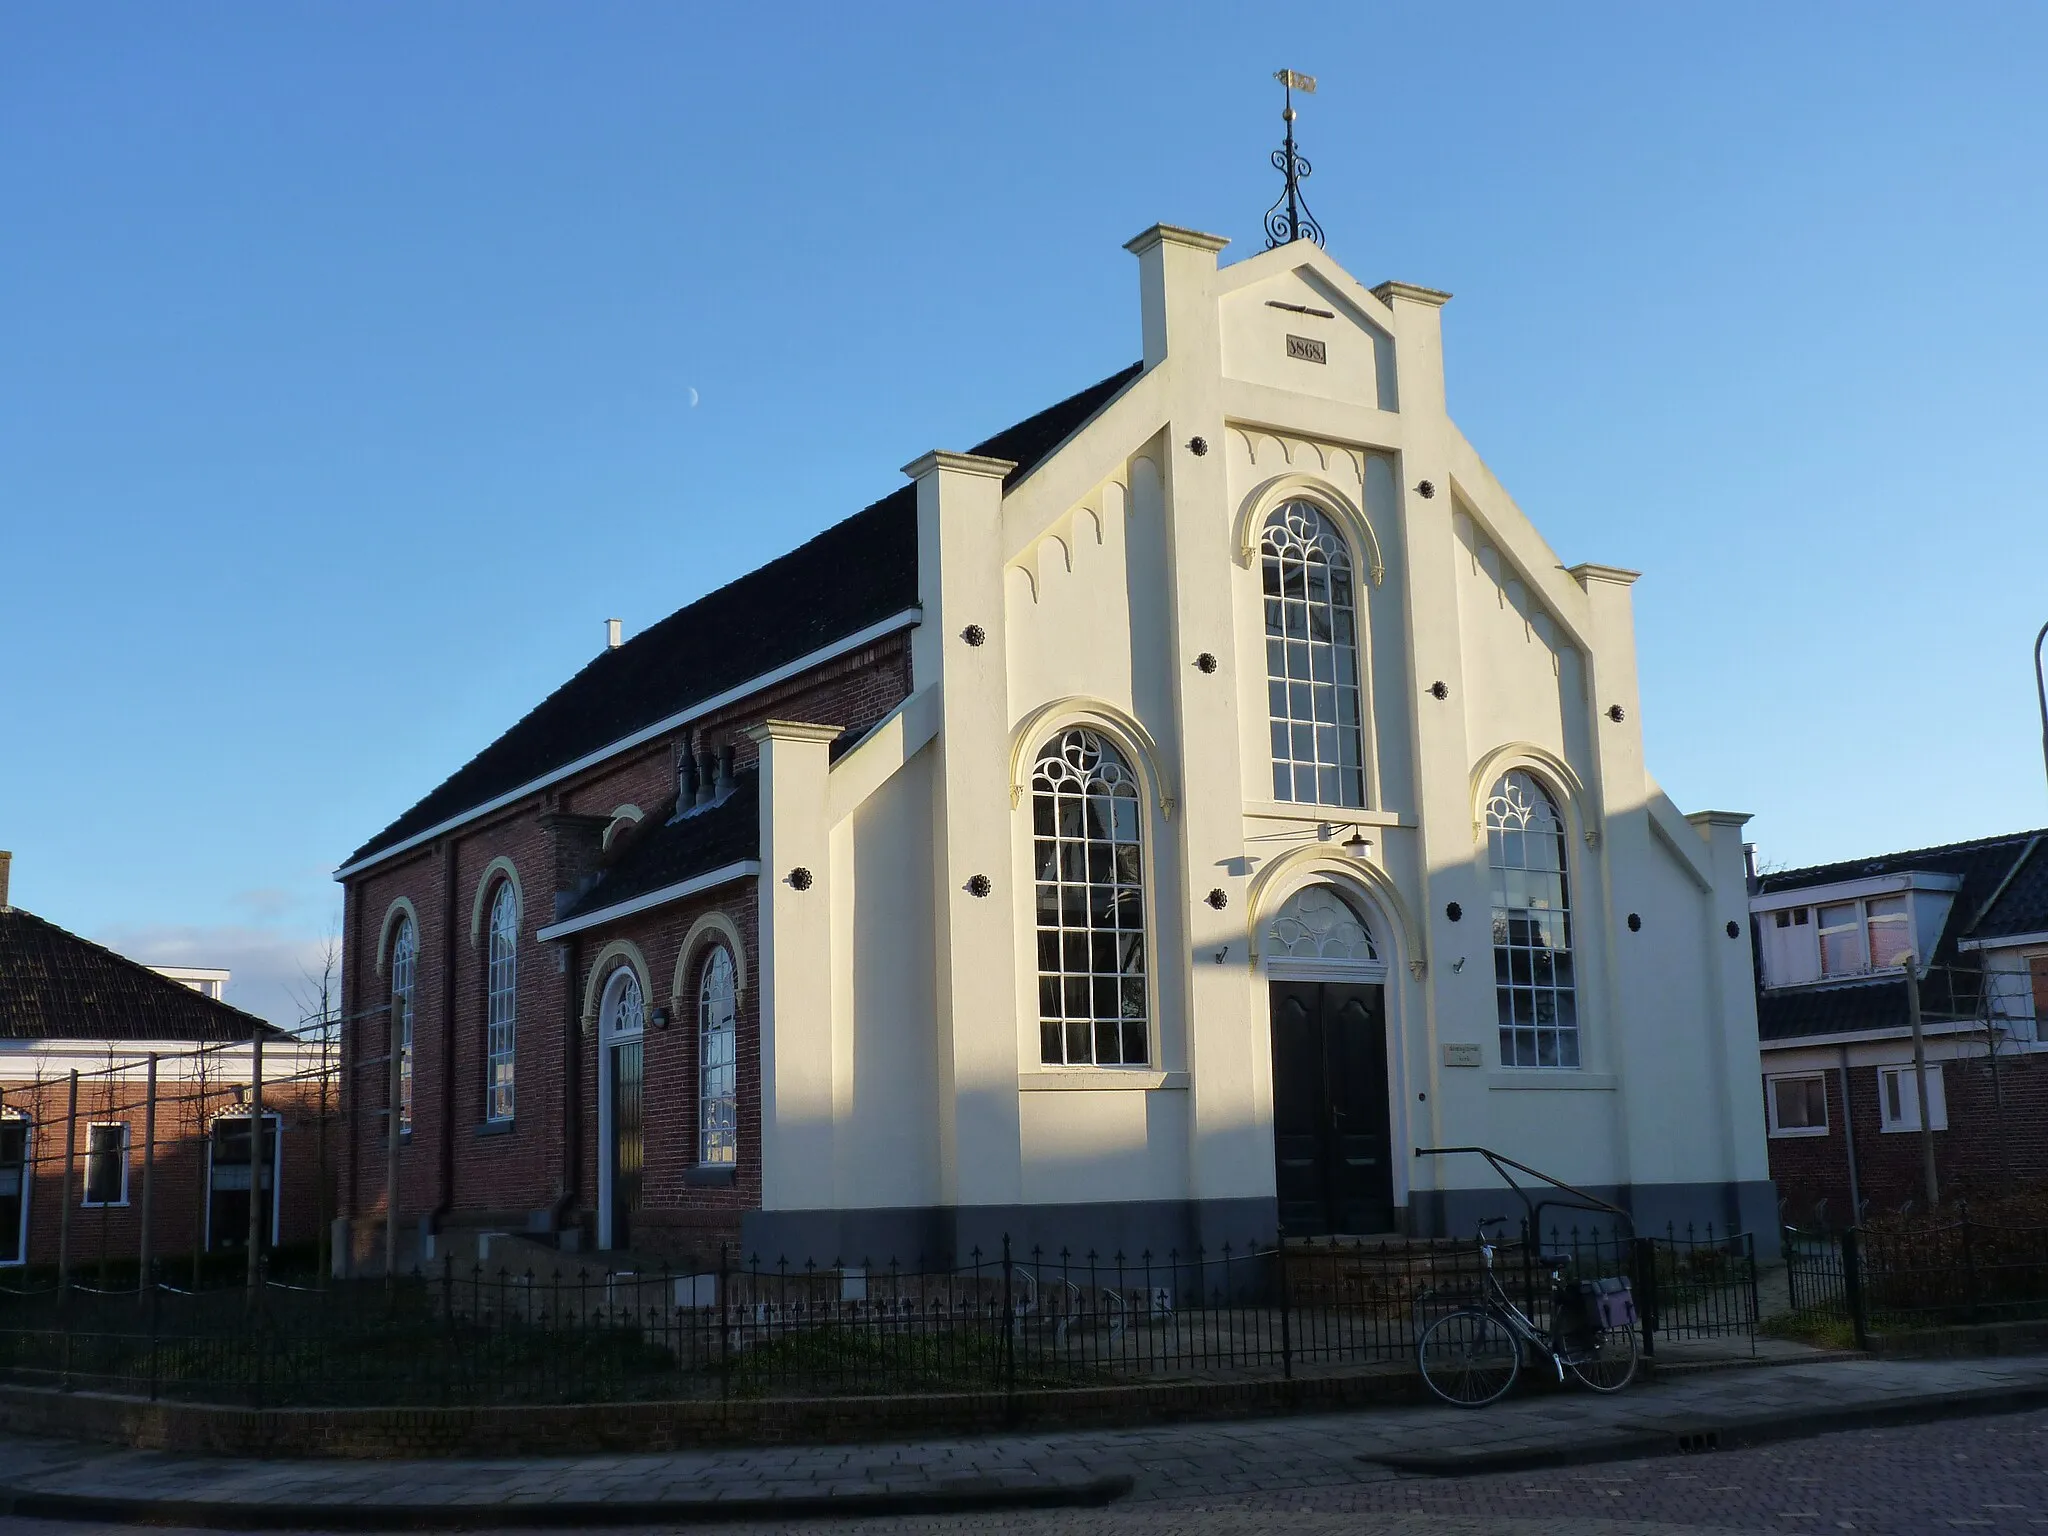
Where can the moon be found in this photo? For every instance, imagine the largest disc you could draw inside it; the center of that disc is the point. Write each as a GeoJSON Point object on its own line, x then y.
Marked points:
{"type": "Point", "coordinates": [693, 399]}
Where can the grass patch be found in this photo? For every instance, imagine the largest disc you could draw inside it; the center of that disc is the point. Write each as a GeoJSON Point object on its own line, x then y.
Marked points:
{"type": "Point", "coordinates": [1818, 1329]}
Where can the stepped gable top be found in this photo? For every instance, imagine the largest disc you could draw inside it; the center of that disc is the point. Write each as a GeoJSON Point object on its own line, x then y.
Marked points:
{"type": "Point", "coordinates": [677, 850]}
{"type": "Point", "coordinates": [55, 985]}
{"type": "Point", "coordinates": [1950, 990]}
{"type": "Point", "coordinates": [855, 574]}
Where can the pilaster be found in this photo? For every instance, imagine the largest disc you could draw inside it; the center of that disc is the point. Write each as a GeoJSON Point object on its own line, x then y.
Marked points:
{"type": "Point", "coordinates": [960, 648]}
{"type": "Point", "coordinates": [795, 966]}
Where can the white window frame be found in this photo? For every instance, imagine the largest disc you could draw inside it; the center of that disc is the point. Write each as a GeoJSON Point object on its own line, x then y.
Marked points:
{"type": "Point", "coordinates": [28, 1183]}
{"type": "Point", "coordinates": [85, 1190]}
{"type": "Point", "coordinates": [726, 1152]}
{"type": "Point", "coordinates": [501, 1006]}
{"type": "Point", "coordinates": [1508, 986]}
{"type": "Point", "coordinates": [614, 1030]}
{"type": "Point", "coordinates": [1293, 723]}
{"type": "Point", "coordinates": [1908, 1118]}
{"type": "Point", "coordinates": [1771, 1103]}
{"type": "Point", "coordinates": [1112, 767]}
{"type": "Point", "coordinates": [405, 957]}
{"type": "Point", "coordinates": [274, 1120]}
{"type": "Point", "coordinates": [1873, 964]}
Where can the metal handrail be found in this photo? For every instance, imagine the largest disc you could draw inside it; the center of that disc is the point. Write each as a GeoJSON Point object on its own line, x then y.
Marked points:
{"type": "Point", "coordinates": [1501, 1163]}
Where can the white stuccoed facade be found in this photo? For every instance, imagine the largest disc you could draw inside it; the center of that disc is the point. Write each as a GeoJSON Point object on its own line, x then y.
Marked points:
{"type": "Point", "coordinates": [906, 1108]}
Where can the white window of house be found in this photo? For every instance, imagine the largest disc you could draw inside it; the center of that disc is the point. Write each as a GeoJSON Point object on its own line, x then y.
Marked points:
{"type": "Point", "coordinates": [501, 1005]}
{"type": "Point", "coordinates": [14, 1129]}
{"type": "Point", "coordinates": [1798, 1104]}
{"type": "Point", "coordinates": [1534, 986]}
{"type": "Point", "coordinates": [1088, 865]}
{"type": "Point", "coordinates": [1791, 954]}
{"type": "Point", "coordinates": [405, 949]}
{"type": "Point", "coordinates": [1898, 1098]}
{"type": "Point", "coordinates": [1843, 948]}
{"type": "Point", "coordinates": [718, 1114]}
{"type": "Point", "coordinates": [1889, 923]}
{"type": "Point", "coordinates": [1312, 675]}
{"type": "Point", "coordinates": [106, 1163]}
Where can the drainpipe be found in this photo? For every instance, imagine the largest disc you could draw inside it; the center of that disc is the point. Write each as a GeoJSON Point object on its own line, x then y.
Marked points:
{"type": "Point", "coordinates": [451, 948]}
{"type": "Point", "coordinates": [572, 1058]}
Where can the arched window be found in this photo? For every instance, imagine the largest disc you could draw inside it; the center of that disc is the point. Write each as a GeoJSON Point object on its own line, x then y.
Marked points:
{"type": "Point", "coordinates": [405, 952]}
{"type": "Point", "coordinates": [1091, 905]}
{"type": "Point", "coordinates": [1533, 979]}
{"type": "Point", "coordinates": [718, 1112]}
{"type": "Point", "coordinates": [1318, 925]}
{"type": "Point", "coordinates": [1312, 681]}
{"type": "Point", "coordinates": [501, 1004]}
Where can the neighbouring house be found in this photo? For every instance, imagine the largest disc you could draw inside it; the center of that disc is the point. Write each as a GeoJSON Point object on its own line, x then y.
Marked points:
{"type": "Point", "coordinates": [1841, 1093]}
{"type": "Point", "coordinates": [1143, 831]}
{"type": "Point", "coordinates": [206, 980]}
{"type": "Point", "coordinates": [152, 1078]}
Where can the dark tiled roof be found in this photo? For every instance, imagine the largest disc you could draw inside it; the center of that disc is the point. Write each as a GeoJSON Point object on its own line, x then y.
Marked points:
{"type": "Point", "coordinates": [1952, 986]}
{"type": "Point", "coordinates": [674, 851]}
{"type": "Point", "coordinates": [56, 986]}
{"type": "Point", "coordinates": [2022, 907]}
{"type": "Point", "coordinates": [852, 575]}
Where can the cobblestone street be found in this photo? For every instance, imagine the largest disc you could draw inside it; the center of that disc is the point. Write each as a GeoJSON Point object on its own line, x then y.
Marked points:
{"type": "Point", "coordinates": [1984, 1474]}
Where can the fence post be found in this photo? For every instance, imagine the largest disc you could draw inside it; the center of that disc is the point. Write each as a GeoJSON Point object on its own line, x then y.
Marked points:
{"type": "Point", "coordinates": [255, 1280]}
{"type": "Point", "coordinates": [1852, 1286]}
{"type": "Point", "coordinates": [1756, 1301]}
{"type": "Point", "coordinates": [1010, 1325]}
{"type": "Point", "coordinates": [393, 1128]}
{"type": "Point", "coordinates": [145, 1249]}
{"type": "Point", "coordinates": [1286, 1306]}
{"type": "Point", "coordinates": [64, 1204]}
{"type": "Point", "coordinates": [1646, 1293]}
{"type": "Point", "coordinates": [724, 1304]}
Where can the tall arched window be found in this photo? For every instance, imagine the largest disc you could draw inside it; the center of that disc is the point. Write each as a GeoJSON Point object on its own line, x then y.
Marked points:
{"type": "Point", "coordinates": [1312, 680]}
{"type": "Point", "coordinates": [1534, 985]}
{"type": "Point", "coordinates": [718, 1111]}
{"type": "Point", "coordinates": [1091, 905]}
{"type": "Point", "coordinates": [405, 952]}
{"type": "Point", "coordinates": [501, 1004]}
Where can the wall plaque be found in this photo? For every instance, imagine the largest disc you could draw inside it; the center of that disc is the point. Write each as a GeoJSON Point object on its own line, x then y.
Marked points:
{"type": "Point", "coordinates": [1307, 349]}
{"type": "Point", "coordinates": [1460, 1055]}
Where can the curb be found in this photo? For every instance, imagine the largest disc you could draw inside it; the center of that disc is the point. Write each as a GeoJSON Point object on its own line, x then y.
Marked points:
{"type": "Point", "coordinates": [1678, 1437]}
{"type": "Point", "coordinates": [959, 1496]}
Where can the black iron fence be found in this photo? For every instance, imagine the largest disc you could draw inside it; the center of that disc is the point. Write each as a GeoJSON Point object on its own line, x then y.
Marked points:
{"type": "Point", "coordinates": [1005, 1322]}
{"type": "Point", "coordinates": [1879, 1281]}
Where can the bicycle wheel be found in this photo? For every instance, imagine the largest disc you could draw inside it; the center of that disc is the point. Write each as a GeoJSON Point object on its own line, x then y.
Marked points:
{"type": "Point", "coordinates": [1469, 1358]}
{"type": "Point", "coordinates": [1612, 1365]}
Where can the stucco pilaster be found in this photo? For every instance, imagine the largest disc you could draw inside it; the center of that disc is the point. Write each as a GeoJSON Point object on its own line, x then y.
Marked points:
{"type": "Point", "coordinates": [1457, 1004]}
{"type": "Point", "coordinates": [1732, 1003]}
{"type": "Point", "coordinates": [960, 648]}
{"type": "Point", "coordinates": [795, 966]}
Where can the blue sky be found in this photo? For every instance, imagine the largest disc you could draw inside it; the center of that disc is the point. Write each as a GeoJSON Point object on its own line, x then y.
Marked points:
{"type": "Point", "coordinates": [350, 350]}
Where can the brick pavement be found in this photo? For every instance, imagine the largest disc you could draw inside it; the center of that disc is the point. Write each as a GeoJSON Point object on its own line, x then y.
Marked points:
{"type": "Point", "coordinates": [1171, 1467]}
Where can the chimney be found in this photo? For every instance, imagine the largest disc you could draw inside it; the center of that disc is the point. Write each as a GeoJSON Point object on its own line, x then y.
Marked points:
{"type": "Point", "coordinates": [1749, 867]}
{"type": "Point", "coordinates": [612, 640]}
{"type": "Point", "coordinates": [707, 770]}
{"type": "Point", "coordinates": [723, 786]}
{"type": "Point", "coordinates": [6, 863]}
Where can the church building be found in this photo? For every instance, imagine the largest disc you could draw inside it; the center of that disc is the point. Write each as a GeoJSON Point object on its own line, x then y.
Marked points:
{"type": "Point", "coordinates": [1149, 828]}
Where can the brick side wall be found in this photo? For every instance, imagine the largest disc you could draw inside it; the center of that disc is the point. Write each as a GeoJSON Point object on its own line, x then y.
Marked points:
{"type": "Point", "coordinates": [453, 1169]}
{"type": "Point", "coordinates": [1997, 1136]}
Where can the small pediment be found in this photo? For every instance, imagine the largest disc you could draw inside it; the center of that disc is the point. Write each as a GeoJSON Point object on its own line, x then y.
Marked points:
{"type": "Point", "coordinates": [1297, 330]}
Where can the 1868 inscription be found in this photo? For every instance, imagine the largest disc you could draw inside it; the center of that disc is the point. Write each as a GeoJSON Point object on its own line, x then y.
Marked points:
{"type": "Point", "coordinates": [1307, 349]}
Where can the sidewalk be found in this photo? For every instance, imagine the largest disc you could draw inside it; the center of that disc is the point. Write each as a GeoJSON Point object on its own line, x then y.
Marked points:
{"type": "Point", "coordinates": [1733, 1407]}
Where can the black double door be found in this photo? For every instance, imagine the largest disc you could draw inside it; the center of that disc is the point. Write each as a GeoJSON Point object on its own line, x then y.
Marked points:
{"type": "Point", "coordinates": [1332, 1130]}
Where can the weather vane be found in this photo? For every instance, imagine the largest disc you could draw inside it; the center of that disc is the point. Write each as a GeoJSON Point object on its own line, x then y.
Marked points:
{"type": "Point", "coordinates": [1289, 219]}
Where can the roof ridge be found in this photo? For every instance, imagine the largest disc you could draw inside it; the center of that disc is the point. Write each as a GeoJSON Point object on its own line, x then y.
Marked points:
{"type": "Point", "coordinates": [1968, 845]}
{"type": "Point", "coordinates": [154, 977]}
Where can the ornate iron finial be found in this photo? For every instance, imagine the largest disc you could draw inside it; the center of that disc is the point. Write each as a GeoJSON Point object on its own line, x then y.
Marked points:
{"type": "Point", "coordinates": [1289, 219]}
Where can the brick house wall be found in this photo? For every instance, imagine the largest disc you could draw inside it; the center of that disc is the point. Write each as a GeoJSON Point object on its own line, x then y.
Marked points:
{"type": "Point", "coordinates": [310, 1151]}
{"type": "Point", "coordinates": [456, 1171]}
{"type": "Point", "coordinates": [1994, 1141]}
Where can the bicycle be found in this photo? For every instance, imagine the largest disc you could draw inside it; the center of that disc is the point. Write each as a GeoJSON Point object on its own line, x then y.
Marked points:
{"type": "Point", "coordinates": [1472, 1356]}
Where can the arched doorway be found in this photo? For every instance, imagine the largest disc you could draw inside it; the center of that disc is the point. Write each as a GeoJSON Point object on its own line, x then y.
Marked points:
{"type": "Point", "coordinates": [620, 1124]}
{"type": "Point", "coordinates": [1332, 1121]}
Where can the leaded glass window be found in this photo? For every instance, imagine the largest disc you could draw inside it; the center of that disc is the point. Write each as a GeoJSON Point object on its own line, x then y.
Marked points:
{"type": "Point", "coordinates": [1087, 860]}
{"type": "Point", "coordinates": [501, 1004]}
{"type": "Point", "coordinates": [718, 1115]}
{"type": "Point", "coordinates": [405, 950]}
{"type": "Point", "coordinates": [1534, 986]}
{"type": "Point", "coordinates": [1312, 680]}
{"type": "Point", "coordinates": [1318, 924]}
